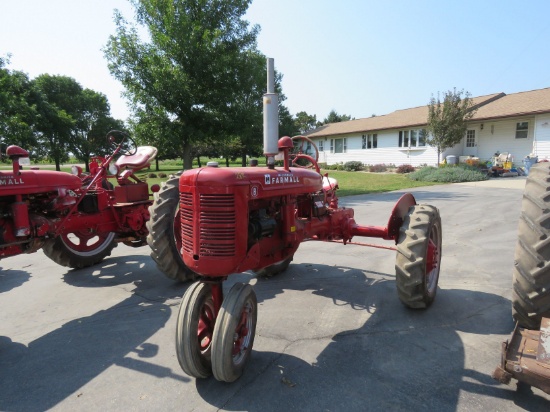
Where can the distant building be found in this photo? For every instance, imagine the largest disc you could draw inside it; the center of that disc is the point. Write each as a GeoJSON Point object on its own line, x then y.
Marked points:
{"type": "Point", "coordinates": [517, 123]}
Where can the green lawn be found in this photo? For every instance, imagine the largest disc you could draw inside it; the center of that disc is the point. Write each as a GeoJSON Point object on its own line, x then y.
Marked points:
{"type": "Point", "coordinates": [349, 183]}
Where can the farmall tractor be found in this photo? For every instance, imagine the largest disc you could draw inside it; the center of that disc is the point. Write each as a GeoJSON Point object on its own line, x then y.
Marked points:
{"type": "Point", "coordinates": [254, 219]}
{"type": "Point", "coordinates": [77, 219]}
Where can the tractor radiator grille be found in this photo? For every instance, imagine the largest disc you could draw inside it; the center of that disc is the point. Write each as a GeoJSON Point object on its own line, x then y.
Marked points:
{"type": "Point", "coordinates": [186, 219]}
{"type": "Point", "coordinates": [217, 221]}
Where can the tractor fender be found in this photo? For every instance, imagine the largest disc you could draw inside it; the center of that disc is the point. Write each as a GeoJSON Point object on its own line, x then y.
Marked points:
{"type": "Point", "coordinates": [398, 214]}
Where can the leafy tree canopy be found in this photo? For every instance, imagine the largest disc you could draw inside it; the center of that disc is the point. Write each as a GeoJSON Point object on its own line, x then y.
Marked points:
{"type": "Point", "coordinates": [189, 73]}
{"type": "Point", "coordinates": [447, 119]}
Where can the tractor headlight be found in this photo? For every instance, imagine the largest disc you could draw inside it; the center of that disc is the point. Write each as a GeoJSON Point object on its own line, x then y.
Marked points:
{"type": "Point", "coordinates": [76, 170]}
{"type": "Point", "coordinates": [113, 169]}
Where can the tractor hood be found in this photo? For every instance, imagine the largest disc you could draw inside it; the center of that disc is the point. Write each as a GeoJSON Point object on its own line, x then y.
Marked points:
{"type": "Point", "coordinates": [36, 181]}
{"type": "Point", "coordinates": [263, 182]}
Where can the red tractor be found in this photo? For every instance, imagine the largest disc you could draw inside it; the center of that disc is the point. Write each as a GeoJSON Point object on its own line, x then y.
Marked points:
{"type": "Point", "coordinates": [77, 219]}
{"type": "Point", "coordinates": [233, 220]}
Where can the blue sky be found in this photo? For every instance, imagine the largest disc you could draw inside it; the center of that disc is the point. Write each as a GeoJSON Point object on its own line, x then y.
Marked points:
{"type": "Point", "coordinates": [356, 57]}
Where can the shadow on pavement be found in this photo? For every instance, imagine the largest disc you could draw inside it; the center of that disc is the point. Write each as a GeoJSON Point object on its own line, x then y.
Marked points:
{"type": "Point", "coordinates": [11, 279]}
{"type": "Point", "coordinates": [54, 366]}
{"type": "Point", "coordinates": [399, 359]}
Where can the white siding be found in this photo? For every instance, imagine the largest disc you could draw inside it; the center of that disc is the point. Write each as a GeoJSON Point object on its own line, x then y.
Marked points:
{"type": "Point", "coordinates": [542, 136]}
{"type": "Point", "coordinates": [387, 151]}
{"type": "Point", "coordinates": [493, 136]}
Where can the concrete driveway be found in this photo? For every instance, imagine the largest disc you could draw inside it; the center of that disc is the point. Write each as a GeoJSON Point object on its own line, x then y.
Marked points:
{"type": "Point", "coordinates": [331, 334]}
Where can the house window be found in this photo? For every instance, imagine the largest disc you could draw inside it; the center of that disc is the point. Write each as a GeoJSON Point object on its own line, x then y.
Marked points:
{"type": "Point", "coordinates": [320, 146]}
{"type": "Point", "coordinates": [331, 145]}
{"type": "Point", "coordinates": [412, 138]}
{"type": "Point", "coordinates": [470, 138]}
{"type": "Point", "coordinates": [308, 148]}
{"type": "Point", "coordinates": [522, 128]}
{"type": "Point", "coordinates": [340, 146]}
{"type": "Point", "coordinates": [369, 141]}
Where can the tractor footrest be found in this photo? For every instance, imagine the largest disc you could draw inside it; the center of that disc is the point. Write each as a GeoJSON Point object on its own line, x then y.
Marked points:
{"type": "Point", "coordinates": [526, 357]}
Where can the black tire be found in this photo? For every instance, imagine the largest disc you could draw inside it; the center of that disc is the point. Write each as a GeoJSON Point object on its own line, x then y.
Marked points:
{"type": "Point", "coordinates": [162, 236]}
{"type": "Point", "coordinates": [194, 329]}
{"type": "Point", "coordinates": [275, 269]}
{"type": "Point", "coordinates": [72, 250]}
{"type": "Point", "coordinates": [234, 333]}
{"type": "Point", "coordinates": [418, 259]}
{"type": "Point", "coordinates": [531, 273]}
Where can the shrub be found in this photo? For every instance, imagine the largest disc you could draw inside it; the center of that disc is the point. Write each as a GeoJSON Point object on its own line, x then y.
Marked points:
{"type": "Point", "coordinates": [353, 166]}
{"type": "Point", "coordinates": [454, 174]}
{"type": "Point", "coordinates": [378, 168]}
{"type": "Point", "coordinates": [162, 175]}
{"type": "Point", "coordinates": [322, 165]}
{"type": "Point", "coordinates": [151, 175]}
{"type": "Point", "coordinates": [405, 169]}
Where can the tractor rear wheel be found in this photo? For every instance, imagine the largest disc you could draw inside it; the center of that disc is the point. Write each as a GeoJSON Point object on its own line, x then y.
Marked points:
{"type": "Point", "coordinates": [234, 333]}
{"type": "Point", "coordinates": [194, 329]}
{"type": "Point", "coordinates": [164, 232]}
{"type": "Point", "coordinates": [531, 273]}
{"type": "Point", "coordinates": [418, 257]}
{"type": "Point", "coordinates": [275, 268]}
{"type": "Point", "coordinates": [80, 249]}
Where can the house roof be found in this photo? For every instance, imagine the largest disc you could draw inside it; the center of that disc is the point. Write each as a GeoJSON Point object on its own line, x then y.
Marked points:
{"type": "Point", "coordinates": [516, 104]}
{"type": "Point", "coordinates": [492, 106]}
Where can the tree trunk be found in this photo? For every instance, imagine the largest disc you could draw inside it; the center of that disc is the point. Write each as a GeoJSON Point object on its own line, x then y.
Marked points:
{"type": "Point", "coordinates": [87, 165]}
{"type": "Point", "coordinates": [157, 164]}
{"type": "Point", "coordinates": [227, 161]}
{"type": "Point", "coordinates": [243, 154]}
{"type": "Point", "coordinates": [57, 165]}
{"type": "Point", "coordinates": [199, 161]}
{"type": "Point", "coordinates": [438, 156]}
{"type": "Point", "coordinates": [187, 159]}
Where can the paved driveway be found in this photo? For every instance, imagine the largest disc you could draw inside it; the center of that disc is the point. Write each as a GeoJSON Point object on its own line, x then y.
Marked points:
{"type": "Point", "coordinates": [331, 335]}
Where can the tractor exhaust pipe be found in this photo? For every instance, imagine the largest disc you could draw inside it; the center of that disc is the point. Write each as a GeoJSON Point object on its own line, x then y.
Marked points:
{"type": "Point", "coordinates": [271, 117]}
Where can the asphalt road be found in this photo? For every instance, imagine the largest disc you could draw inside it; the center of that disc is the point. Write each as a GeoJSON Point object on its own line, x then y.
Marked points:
{"type": "Point", "coordinates": [331, 334]}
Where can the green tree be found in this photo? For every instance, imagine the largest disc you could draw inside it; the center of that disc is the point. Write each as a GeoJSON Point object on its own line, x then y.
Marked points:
{"type": "Point", "coordinates": [334, 117]}
{"type": "Point", "coordinates": [305, 122]}
{"type": "Point", "coordinates": [58, 98]}
{"type": "Point", "coordinates": [188, 73]}
{"type": "Point", "coordinates": [447, 119]}
{"type": "Point", "coordinates": [17, 109]}
{"type": "Point", "coordinates": [92, 123]}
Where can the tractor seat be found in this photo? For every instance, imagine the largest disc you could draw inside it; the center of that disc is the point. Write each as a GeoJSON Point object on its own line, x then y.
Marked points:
{"type": "Point", "coordinates": [143, 157]}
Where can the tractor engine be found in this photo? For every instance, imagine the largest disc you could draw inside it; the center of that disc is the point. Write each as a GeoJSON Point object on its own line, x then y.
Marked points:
{"type": "Point", "coordinates": [239, 219]}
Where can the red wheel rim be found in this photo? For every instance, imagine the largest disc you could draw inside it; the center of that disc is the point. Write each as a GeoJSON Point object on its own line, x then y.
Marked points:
{"type": "Point", "coordinates": [205, 330]}
{"type": "Point", "coordinates": [243, 333]}
{"type": "Point", "coordinates": [85, 242]}
{"type": "Point", "coordinates": [432, 260]}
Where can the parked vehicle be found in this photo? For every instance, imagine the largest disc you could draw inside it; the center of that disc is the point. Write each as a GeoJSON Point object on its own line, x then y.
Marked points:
{"type": "Point", "coordinates": [526, 355]}
{"type": "Point", "coordinates": [231, 220]}
{"type": "Point", "coordinates": [77, 219]}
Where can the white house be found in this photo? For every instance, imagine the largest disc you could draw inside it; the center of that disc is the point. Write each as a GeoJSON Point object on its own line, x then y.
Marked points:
{"type": "Point", "coordinates": [517, 123]}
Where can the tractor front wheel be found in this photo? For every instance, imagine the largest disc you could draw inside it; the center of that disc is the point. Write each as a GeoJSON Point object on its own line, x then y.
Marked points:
{"type": "Point", "coordinates": [194, 330]}
{"type": "Point", "coordinates": [164, 232]}
{"type": "Point", "coordinates": [531, 273]}
{"type": "Point", "coordinates": [419, 256]}
{"type": "Point", "coordinates": [80, 249]}
{"type": "Point", "coordinates": [234, 333]}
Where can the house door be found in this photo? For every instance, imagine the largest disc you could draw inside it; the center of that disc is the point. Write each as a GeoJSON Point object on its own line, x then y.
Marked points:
{"type": "Point", "coordinates": [470, 143]}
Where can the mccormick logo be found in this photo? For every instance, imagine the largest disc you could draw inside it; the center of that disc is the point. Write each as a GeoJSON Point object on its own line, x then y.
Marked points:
{"type": "Point", "coordinates": [281, 179]}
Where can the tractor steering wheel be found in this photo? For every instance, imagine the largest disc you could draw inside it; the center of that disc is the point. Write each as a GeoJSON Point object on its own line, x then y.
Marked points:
{"type": "Point", "coordinates": [304, 153]}
{"type": "Point", "coordinates": [128, 146]}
